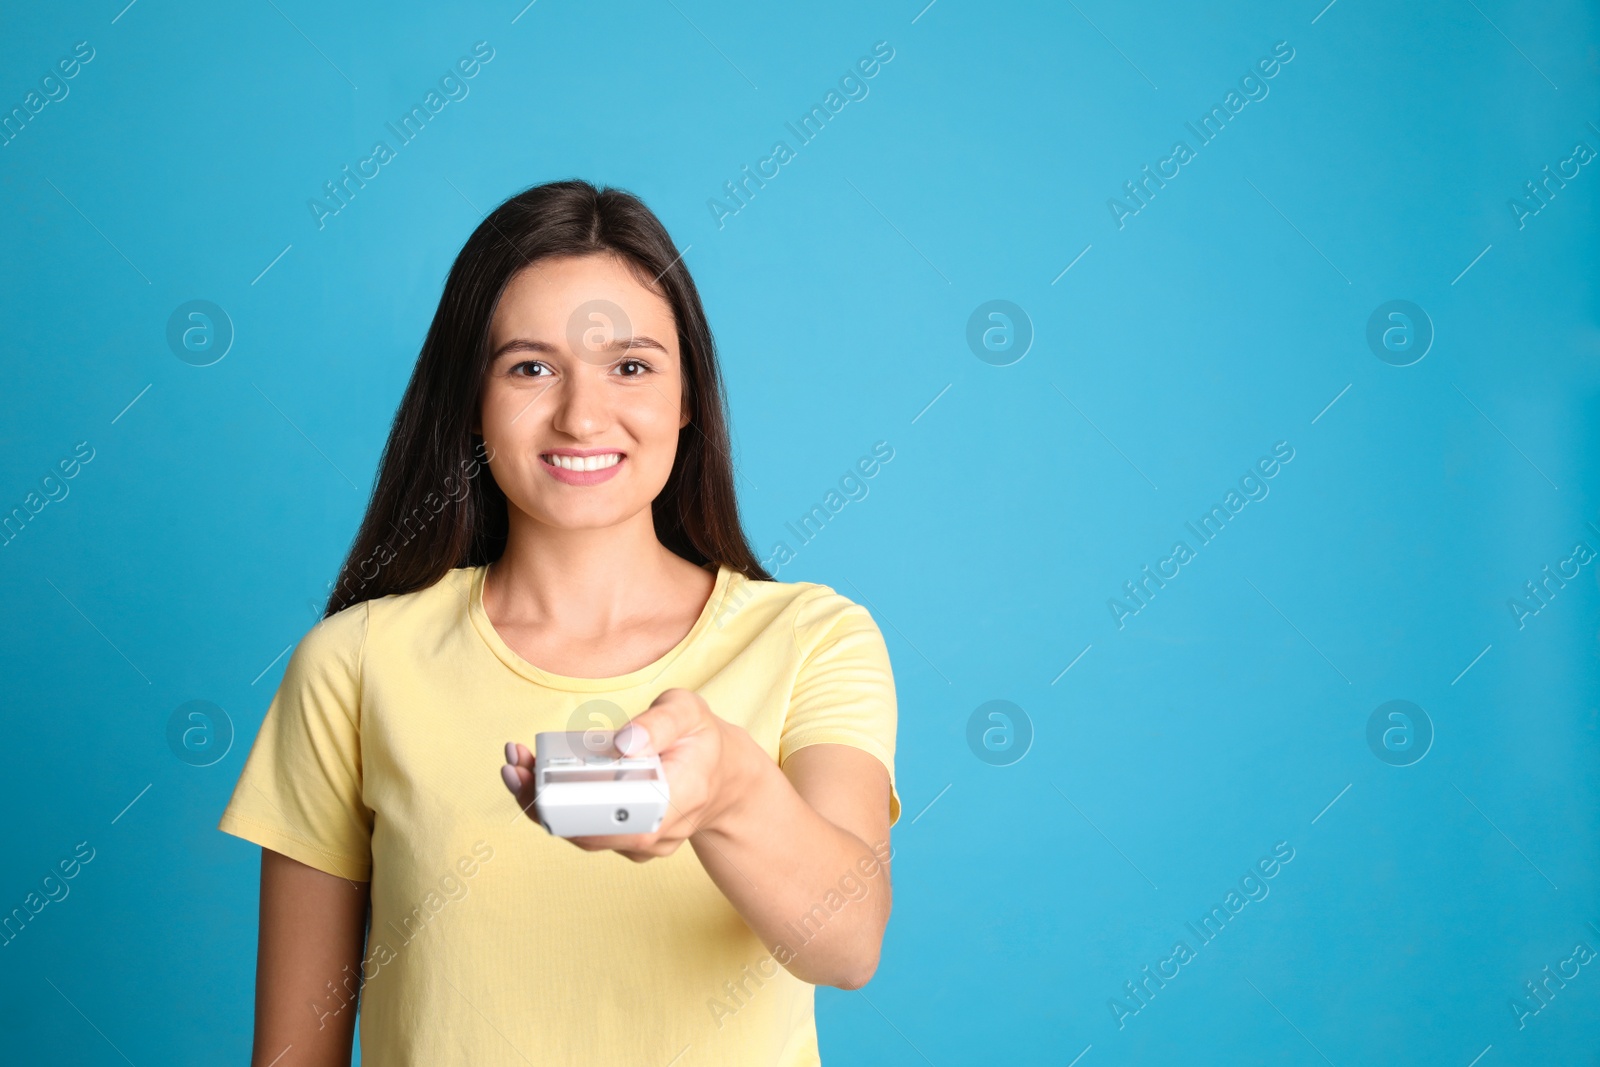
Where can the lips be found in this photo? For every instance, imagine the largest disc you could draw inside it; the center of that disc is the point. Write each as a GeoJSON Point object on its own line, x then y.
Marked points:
{"type": "Point", "coordinates": [575, 461]}
{"type": "Point", "coordinates": [573, 466]}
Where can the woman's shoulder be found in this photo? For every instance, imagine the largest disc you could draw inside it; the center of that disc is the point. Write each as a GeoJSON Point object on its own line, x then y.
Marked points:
{"type": "Point", "coordinates": [772, 588]}
{"type": "Point", "coordinates": [333, 646]}
{"type": "Point", "coordinates": [349, 629]}
{"type": "Point", "coordinates": [811, 608]}
{"type": "Point", "coordinates": [449, 594]}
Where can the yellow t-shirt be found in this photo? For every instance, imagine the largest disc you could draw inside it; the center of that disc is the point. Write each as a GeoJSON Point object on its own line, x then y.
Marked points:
{"type": "Point", "coordinates": [492, 942]}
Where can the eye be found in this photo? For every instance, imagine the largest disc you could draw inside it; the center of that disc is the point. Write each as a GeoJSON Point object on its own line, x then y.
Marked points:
{"type": "Point", "coordinates": [515, 369]}
{"type": "Point", "coordinates": [645, 368]}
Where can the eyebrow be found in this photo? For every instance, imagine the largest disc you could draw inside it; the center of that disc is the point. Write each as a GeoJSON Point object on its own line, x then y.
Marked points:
{"type": "Point", "coordinates": [623, 344]}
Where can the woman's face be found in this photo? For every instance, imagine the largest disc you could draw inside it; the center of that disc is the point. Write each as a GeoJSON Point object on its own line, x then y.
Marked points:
{"type": "Point", "coordinates": [584, 360]}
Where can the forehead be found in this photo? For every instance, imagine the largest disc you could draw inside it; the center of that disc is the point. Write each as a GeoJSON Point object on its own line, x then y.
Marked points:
{"type": "Point", "coordinates": [542, 301]}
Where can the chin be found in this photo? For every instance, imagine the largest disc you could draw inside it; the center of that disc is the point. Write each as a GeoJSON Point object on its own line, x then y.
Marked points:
{"type": "Point", "coordinates": [585, 518]}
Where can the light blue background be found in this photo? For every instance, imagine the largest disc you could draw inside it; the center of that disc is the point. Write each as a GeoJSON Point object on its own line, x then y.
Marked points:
{"type": "Point", "coordinates": [1224, 317]}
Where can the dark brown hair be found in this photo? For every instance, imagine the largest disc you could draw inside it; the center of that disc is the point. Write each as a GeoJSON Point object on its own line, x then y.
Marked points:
{"type": "Point", "coordinates": [435, 506]}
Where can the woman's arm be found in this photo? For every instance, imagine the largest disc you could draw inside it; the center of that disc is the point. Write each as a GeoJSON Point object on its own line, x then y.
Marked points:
{"type": "Point", "coordinates": [801, 853]}
{"type": "Point", "coordinates": [308, 964]}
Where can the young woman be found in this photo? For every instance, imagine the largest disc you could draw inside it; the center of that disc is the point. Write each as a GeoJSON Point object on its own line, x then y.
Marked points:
{"type": "Point", "coordinates": [553, 543]}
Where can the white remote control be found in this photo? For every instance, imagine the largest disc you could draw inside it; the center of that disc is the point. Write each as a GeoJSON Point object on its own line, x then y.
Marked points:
{"type": "Point", "coordinates": [584, 787]}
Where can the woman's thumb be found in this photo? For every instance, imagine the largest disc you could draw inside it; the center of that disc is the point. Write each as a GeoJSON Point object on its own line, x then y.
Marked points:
{"type": "Point", "coordinates": [632, 739]}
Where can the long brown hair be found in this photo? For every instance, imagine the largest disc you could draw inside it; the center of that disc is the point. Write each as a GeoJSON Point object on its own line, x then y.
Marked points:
{"type": "Point", "coordinates": [435, 506]}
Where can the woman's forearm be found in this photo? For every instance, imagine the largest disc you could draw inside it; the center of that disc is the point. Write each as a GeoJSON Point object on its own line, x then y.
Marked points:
{"type": "Point", "coordinates": [816, 894]}
{"type": "Point", "coordinates": [313, 928]}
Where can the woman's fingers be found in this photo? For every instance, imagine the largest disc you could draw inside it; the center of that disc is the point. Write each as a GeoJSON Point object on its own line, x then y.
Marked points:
{"type": "Point", "coordinates": [634, 738]}
{"type": "Point", "coordinates": [517, 774]}
{"type": "Point", "coordinates": [517, 771]}
{"type": "Point", "coordinates": [672, 714]}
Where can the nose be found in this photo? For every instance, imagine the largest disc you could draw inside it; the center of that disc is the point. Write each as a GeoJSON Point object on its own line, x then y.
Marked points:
{"type": "Point", "coordinates": [582, 405]}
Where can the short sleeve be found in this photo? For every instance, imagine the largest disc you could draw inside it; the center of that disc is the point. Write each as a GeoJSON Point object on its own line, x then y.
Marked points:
{"type": "Point", "coordinates": [844, 689]}
{"type": "Point", "coordinates": [300, 791]}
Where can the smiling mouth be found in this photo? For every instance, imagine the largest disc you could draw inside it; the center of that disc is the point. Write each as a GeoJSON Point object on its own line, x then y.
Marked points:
{"type": "Point", "coordinates": [583, 463]}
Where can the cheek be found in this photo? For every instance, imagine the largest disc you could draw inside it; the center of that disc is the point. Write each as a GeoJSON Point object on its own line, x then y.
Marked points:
{"type": "Point", "coordinates": [510, 416]}
{"type": "Point", "coordinates": [652, 420]}
{"type": "Point", "coordinates": [514, 421]}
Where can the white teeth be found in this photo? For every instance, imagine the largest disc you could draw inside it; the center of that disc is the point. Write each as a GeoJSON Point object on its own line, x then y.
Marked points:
{"type": "Point", "coordinates": [585, 463]}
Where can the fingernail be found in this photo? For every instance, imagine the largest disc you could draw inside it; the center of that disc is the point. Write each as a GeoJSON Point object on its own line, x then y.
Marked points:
{"type": "Point", "coordinates": [511, 752]}
{"type": "Point", "coordinates": [508, 774]}
{"type": "Point", "coordinates": [631, 738]}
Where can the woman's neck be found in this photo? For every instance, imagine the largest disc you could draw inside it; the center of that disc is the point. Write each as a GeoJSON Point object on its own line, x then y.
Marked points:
{"type": "Point", "coordinates": [585, 581]}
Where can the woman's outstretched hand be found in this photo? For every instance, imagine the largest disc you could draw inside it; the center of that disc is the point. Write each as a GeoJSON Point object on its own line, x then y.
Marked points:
{"type": "Point", "coordinates": [705, 758]}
